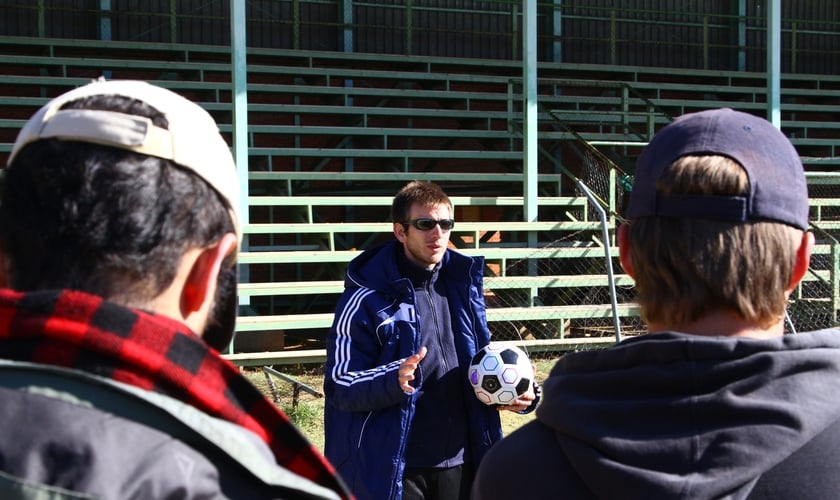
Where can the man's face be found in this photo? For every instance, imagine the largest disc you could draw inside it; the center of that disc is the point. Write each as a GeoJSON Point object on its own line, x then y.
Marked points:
{"type": "Point", "coordinates": [424, 248]}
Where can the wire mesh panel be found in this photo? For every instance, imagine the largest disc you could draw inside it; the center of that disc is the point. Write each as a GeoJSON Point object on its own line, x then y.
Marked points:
{"type": "Point", "coordinates": [574, 291]}
{"type": "Point", "coordinates": [811, 306]}
{"type": "Point", "coordinates": [562, 297]}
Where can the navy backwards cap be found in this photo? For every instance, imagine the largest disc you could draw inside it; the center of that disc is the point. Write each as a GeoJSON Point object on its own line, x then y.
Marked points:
{"type": "Point", "coordinates": [778, 190]}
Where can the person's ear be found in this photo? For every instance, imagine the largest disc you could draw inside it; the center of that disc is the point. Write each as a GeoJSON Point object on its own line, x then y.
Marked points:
{"type": "Point", "coordinates": [400, 232]}
{"type": "Point", "coordinates": [199, 289]}
{"type": "Point", "coordinates": [803, 260]}
{"type": "Point", "coordinates": [624, 249]}
{"type": "Point", "coordinates": [4, 271]}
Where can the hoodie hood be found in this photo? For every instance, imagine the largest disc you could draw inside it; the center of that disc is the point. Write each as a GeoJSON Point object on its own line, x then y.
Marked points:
{"type": "Point", "coordinates": [374, 268]}
{"type": "Point", "coordinates": [672, 415]}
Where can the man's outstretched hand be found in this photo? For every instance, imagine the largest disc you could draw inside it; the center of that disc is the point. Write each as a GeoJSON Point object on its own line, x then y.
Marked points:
{"type": "Point", "coordinates": [407, 369]}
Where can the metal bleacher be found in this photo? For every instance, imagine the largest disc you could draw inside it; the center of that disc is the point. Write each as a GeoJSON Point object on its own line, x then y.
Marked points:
{"type": "Point", "coordinates": [332, 136]}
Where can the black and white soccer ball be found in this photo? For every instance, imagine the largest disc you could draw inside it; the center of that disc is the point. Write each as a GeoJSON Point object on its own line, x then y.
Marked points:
{"type": "Point", "coordinates": [499, 374]}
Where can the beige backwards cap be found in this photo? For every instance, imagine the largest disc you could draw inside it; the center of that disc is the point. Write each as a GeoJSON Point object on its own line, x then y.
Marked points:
{"type": "Point", "coordinates": [192, 140]}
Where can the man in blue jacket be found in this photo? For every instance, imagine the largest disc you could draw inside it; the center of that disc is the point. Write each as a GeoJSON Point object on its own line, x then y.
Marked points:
{"type": "Point", "coordinates": [401, 419]}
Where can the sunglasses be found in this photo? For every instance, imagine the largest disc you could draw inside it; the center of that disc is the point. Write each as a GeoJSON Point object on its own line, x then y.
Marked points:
{"type": "Point", "coordinates": [429, 224]}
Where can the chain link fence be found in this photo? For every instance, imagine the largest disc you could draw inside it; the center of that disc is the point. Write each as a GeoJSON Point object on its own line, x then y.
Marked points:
{"type": "Point", "coordinates": [814, 303]}
{"type": "Point", "coordinates": [812, 306]}
{"type": "Point", "coordinates": [579, 309]}
{"type": "Point", "coordinates": [581, 285]}
{"type": "Point", "coordinates": [579, 303]}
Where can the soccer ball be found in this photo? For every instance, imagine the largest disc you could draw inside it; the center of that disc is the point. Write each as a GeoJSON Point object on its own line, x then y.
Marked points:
{"type": "Point", "coordinates": [499, 374]}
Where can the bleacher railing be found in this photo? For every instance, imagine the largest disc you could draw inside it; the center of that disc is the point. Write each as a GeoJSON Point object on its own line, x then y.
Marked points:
{"type": "Point", "coordinates": [555, 295]}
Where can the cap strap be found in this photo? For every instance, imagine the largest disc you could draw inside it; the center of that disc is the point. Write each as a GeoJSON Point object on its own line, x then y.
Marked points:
{"type": "Point", "coordinates": [704, 206]}
{"type": "Point", "coordinates": [110, 128]}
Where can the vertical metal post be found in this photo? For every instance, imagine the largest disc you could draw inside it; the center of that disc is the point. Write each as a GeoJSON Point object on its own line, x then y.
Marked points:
{"type": "Point", "coordinates": [104, 19]}
{"type": "Point", "coordinates": [605, 235]}
{"type": "Point", "coordinates": [705, 42]}
{"type": "Point", "coordinates": [347, 45]}
{"type": "Point", "coordinates": [515, 28]}
{"type": "Point", "coordinates": [105, 29]}
{"type": "Point", "coordinates": [774, 62]}
{"type": "Point", "coordinates": [42, 19]}
{"type": "Point", "coordinates": [530, 144]}
{"type": "Point", "coordinates": [173, 21]}
{"type": "Point", "coordinates": [239, 77]}
{"type": "Point", "coordinates": [346, 16]}
{"type": "Point", "coordinates": [529, 79]}
{"type": "Point", "coordinates": [613, 37]}
{"type": "Point", "coordinates": [741, 31]}
{"type": "Point", "coordinates": [557, 31]}
{"type": "Point", "coordinates": [295, 24]}
{"type": "Point", "coordinates": [835, 281]}
{"type": "Point", "coordinates": [409, 27]}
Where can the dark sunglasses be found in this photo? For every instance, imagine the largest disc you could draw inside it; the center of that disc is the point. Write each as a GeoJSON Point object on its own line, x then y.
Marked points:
{"type": "Point", "coordinates": [429, 224]}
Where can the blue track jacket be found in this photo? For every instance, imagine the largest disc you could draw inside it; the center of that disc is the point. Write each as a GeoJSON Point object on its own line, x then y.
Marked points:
{"type": "Point", "coordinates": [367, 415]}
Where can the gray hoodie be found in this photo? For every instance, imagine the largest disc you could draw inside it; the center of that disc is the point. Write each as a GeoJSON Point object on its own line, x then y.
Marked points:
{"type": "Point", "coordinates": [672, 415]}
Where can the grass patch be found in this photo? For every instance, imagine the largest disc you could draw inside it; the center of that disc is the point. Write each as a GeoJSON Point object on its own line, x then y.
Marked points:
{"type": "Point", "coordinates": [307, 411]}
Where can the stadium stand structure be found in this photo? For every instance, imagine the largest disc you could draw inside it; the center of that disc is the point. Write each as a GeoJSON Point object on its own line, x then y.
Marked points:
{"type": "Point", "coordinates": [332, 136]}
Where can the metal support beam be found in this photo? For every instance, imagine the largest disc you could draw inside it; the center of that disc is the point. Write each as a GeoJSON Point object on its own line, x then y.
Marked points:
{"type": "Point", "coordinates": [104, 29]}
{"type": "Point", "coordinates": [557, 31]}
{"type": "Point", "coordinates": [346, 34]}
{"type": "Point", "coordinates": [239, 77]}
{"type": "Point", "coordinates": [105, 19]}
{"type": "Point", "coordinates": [774, 62]}
{"type": "Point", "coordinates": [530, 111]}
{"type": "Point", "coordinates": [741, 35]}
{"type": "Point", "coordinates": [529, 93]}
{"type": "Point", "coordinates": [42, 18]}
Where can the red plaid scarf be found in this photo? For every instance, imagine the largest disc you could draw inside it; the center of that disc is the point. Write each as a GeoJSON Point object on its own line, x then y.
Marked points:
{"type": "Point", "coordinates": [153, 352]}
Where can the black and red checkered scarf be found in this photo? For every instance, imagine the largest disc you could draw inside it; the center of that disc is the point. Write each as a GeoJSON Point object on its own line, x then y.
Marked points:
{"type": "Point", "coordinates": [82, 331]}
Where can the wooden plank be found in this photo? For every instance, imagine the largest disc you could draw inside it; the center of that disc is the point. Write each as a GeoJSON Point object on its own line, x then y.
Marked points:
{"type": "Point", "coordinates": [281, 322]}
{"type": "Point", "coordinates": [34, 102]}
{"type": "Point", "coordinates": [268, 358]}
{"type": "Point", "coordinates": [144, 47]}
{"type": "Point", "coordinates": [290, 288]}
{"type": "Point", "coordinates": [291, 130]}
{"type": "Point", "coordinates": [511, 177]}
{"type": "Point", "coordinates": [614, 117]}
{"type": "Point", "coordinates": [158, 66]}
{"type": "Point", "coordinates": [583, 311]}
{"type": "Point", "coordinates": [402, 76]}
{"type": "Point", "coordinates": [488, 252]}
{"type": "Point", "coordinates": [386, 227]}
{"type": "Point", "coordinates": [405, 93]}
{"type": "Point", "coordinates": [554, 281]}
{"type": "Point", "coordinates": [458, 201]}
{"type": "Point", "coordinates": [45, 81]}
{"type": "Point", "coordinates": [293, 288]}
{"type": "Point", "coordinates": [361, 111]}
{"type": "Point", "coordinates": [385, 153]}
{"type": "Point", "coordinates": [320, 355]}
{"type": "Point", "coordinates": [13, 123]}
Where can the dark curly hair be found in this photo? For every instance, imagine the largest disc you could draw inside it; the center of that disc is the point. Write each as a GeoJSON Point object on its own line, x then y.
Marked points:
{"type": "Point", "coordinates": [105, 220]}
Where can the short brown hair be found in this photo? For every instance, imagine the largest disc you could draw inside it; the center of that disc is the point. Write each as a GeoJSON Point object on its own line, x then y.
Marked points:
{"type": "Point", "coordinates": [688, 267]}
{"type": "Point", "coordinates": [422, 193]}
